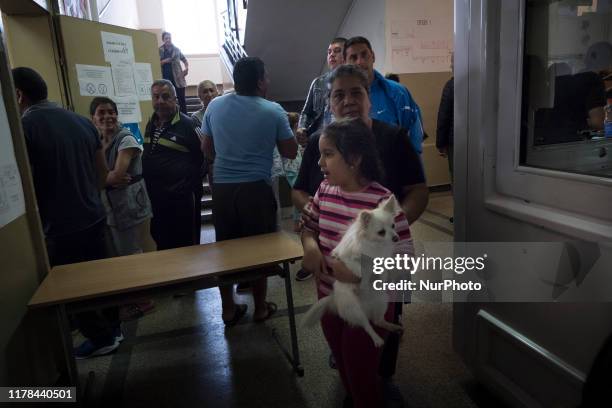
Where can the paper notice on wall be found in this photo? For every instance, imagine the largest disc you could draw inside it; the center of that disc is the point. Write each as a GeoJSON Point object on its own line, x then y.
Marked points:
{"type": "Point", "coordinates": [12, 203]}
{"type": "Point", "coordinates": [143, 76]}
{"type": "Point", "coordinates": [420, 35]}
{"type": "Point", "coordinates": [94, 80]}
{"type": "Point", "coordinates": [128, 108]}
{"type": "Point", "coordinates": [117, 47]}
{"type": "Point", "coordinates": [123, 77]}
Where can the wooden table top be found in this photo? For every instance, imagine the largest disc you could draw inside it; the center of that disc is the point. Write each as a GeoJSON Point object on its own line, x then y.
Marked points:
{"type": "Point", "coordinates": [87, 280]}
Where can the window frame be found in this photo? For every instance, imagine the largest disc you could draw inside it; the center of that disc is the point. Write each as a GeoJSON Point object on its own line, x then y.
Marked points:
{"type": "Point", "coordinates": [574, 204]}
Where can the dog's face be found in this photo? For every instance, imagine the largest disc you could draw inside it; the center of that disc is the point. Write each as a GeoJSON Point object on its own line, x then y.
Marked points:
{"type": "Point", "coordinates": [378, 225]}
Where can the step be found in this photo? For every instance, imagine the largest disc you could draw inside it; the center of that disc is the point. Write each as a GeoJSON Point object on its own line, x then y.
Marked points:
{"type": "Point", "coordinates": [206, 187]}
{"type": "Point", "coordinates": [206, 201]}
{"type": "Point", "coordinates": [206, 215]}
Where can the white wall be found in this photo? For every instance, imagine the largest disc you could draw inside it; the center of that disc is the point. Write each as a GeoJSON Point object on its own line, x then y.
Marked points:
{"type": "Point", "coordinates": [150, 14]}
{"type": "Point", "coordinates": [201, 67]}
{"type": "Point", "coordinates": [123, 13]}
{"type": "Point", "coordinates": [367, 19]}
{"type": "Point", "coordinates": [204, 67]}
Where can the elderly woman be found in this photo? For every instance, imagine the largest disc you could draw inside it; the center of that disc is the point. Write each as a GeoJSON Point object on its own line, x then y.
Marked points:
{"type": "Point", "coordinates": [207, 91]}
{"type": "Point", "coordinates": [170, 58]}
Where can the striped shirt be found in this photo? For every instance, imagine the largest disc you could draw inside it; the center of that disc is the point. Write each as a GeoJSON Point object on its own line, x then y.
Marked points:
{"type": "Point", "coordinates": [333, 211]}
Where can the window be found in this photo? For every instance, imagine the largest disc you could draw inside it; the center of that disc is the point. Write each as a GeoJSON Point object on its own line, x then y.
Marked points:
{"type": "Point", "coordinates": [567, 81]}
{"type": "Point", "coordinates": [565, 198]}
{"type": "Point", "coordinates": [193, 25]}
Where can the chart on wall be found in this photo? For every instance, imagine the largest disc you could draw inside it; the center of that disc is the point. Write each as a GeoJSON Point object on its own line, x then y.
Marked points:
{"type": "Point", "coordinates": [115, 62]}
{"type": "Point", "coordinates": [420, 35]}
{"type": "Point", "coordinates": [12, 203]}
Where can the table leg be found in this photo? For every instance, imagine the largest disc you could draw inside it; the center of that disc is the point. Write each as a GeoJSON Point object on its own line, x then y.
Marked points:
{"type": "Point", "coordinates": [291, 311]}
{"type": "Point", "coordinates": [64, 325]}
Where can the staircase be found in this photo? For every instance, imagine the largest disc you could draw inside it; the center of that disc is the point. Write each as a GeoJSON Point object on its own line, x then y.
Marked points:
{"type": "Point", "coordinates": [206, 204]}
{"type": "Point", "coordinates": [193, 104]}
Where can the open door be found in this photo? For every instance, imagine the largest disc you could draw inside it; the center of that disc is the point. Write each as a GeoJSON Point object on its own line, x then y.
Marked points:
{"type": "Point", "coordinates": [23, 256]}
{"type": "Point", "coordinates": [527, 173]}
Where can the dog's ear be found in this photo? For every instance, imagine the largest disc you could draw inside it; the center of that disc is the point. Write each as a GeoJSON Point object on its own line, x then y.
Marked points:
{"type": "Point", "coordinates": [390, 205]}
{"type": "Point", "coordinates": [365, 217]}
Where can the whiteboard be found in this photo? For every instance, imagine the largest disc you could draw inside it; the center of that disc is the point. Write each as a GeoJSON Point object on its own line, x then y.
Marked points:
{"type": "Point", "coordinates": [420, 35]}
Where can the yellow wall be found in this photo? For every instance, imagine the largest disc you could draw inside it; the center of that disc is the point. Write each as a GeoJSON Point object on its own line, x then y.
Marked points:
{"type": "Point", "coordinates": [426, 89]}
{"type": "Point", "coordinates": [30, 44]}
{"type": "Point", "coordinates": [82, 44]}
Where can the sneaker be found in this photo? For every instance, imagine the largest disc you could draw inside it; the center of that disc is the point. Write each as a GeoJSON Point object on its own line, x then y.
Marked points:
{"type": "Point", "coordinates": [88, 349]}
{"type": "Point", "coordinates": [303, 275]}
{"type": "Point", "coordinates": [332, 362]}
{"type": "Point", "coordinates": [118, 334]}
{"type": "Point", "coordinates": [243, 287]}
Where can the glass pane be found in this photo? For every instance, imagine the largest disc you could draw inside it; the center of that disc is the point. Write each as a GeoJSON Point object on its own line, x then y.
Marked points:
{"type": "Point", "coordinates": [193, 25]}
{"type": "Point", "coordinates": [566, 118]}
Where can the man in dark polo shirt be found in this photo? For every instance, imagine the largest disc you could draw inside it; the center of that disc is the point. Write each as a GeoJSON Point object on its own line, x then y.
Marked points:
{"type": "Point", "coordinates": [403, 173]}
{"type": "Point", "coordinates": [68, 170]}
{"type": "Point", "coordinates": [171, 165]}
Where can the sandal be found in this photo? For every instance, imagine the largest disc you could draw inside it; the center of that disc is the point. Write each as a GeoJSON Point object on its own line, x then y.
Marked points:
{"type": "Point", "coordinates": [238, 314]}
{"type": "Point", "coordinates": [271, 308]}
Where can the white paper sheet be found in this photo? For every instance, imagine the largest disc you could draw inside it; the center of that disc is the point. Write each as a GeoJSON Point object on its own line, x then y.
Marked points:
{"type": "Point", "coordinates": [94, 80]}
{"type": "Point", "coordinates": [12, 204]}
{"type": "Point", "coordinates": [143, 76]}
{"type": "Point", "coordinates": [129, 109]}
{"type": "Point", "coordinates": [117, 47]}
{"type": "Point", "coordinates": [123, 77]}
{"type": "Point", "coordinates": [420, 36]}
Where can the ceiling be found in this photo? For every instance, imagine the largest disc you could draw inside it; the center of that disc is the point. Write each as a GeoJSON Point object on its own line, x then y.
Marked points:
{"type": "Point", "coordinates": [291, 37]}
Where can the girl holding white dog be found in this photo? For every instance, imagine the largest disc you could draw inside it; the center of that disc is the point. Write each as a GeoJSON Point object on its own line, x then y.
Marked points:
{"type": "Point", "coordinates": [349, 162]}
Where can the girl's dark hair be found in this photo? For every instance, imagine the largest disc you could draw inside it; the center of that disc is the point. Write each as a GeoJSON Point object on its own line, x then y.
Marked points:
{"type": "Point", "coordinates": [354, 140]}
{"type": "Point", "coordinates": [101, 100]}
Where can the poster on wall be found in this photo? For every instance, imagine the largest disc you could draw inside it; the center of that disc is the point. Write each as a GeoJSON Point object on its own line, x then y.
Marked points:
{"type": "Point", "coordinates": [117, 47]}
{"type": "Point", "coordinates": [420, 35]}
{"type": "Point", "coordinates": [128, 108]}
{"type": "Point", "coordinates": [94, 80]}
{"type": "Point", "coordinates": [143, 76]}
{"type": "Point", "coordinates": [12, 204]}
{"type": "Point", "coordinates": [123, 77]}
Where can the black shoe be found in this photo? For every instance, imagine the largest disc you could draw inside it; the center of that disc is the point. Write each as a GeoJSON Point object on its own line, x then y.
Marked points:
{"type": "Point", "coordinates": [451, 220]}
{"type": "Point", "coordinates": [332, 362]}
{"type": "Point", "coordinates": [302, 275]}
{"type": "Point", "coordinates": [243, 287]}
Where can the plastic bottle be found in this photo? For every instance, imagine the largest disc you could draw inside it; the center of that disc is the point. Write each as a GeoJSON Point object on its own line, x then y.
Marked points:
{"type": "Point", "coordinates": [608, 119]}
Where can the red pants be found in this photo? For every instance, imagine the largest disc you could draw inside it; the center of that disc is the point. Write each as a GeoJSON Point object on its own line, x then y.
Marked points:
{"type": "Point", "coordinates": [357, 358]}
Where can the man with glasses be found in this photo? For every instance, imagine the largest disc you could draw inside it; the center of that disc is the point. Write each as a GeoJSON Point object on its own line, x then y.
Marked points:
{"type": "Point", "coordinates": [171, 164]}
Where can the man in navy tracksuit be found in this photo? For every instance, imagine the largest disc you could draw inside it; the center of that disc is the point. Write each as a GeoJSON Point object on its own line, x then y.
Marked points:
{"type": "Point", "coordinates": [171, 165]}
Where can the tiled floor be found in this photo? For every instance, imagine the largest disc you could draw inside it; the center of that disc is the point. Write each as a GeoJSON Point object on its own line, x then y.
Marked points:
{"type": "Point", "coordinates": [182, 356]}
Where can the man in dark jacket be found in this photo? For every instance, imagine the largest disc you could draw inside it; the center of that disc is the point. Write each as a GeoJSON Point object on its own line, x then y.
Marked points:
{"type": "Point", "coordinates": [444, 131]}
{"type": "Point", "coordinates": [171, 165]}
{"type": "Point", "coordinates": [68, 170]}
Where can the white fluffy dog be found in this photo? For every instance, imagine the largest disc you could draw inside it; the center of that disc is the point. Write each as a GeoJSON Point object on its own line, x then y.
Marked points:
{"type": "Point", "coordinates": [372, 234]}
